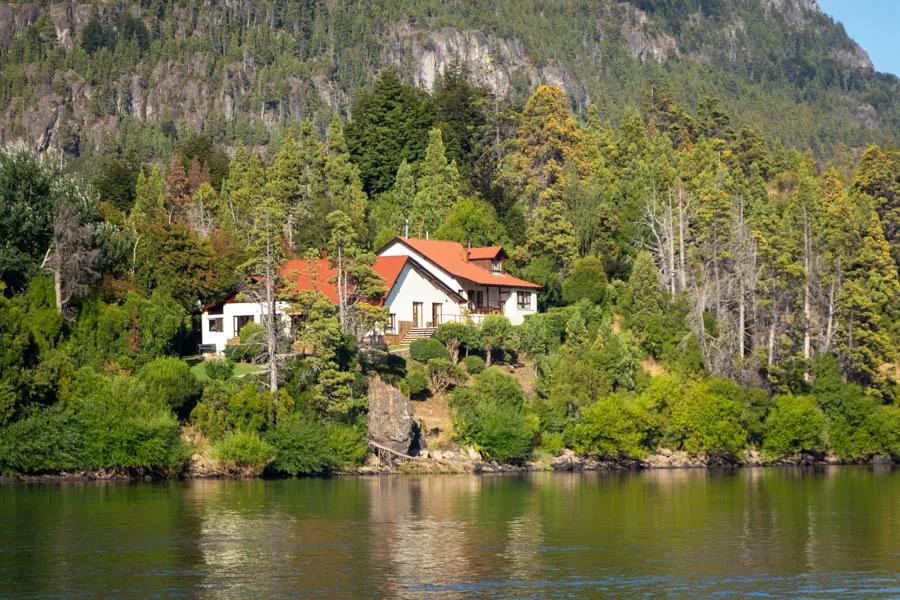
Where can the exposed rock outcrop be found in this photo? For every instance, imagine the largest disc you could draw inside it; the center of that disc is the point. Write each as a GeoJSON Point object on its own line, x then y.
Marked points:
{"type": "Point", "coordinates": [390, 417]}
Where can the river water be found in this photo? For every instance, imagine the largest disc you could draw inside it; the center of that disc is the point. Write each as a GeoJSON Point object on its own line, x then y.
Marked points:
{"type": "Point", "coordinates": [777, 532]}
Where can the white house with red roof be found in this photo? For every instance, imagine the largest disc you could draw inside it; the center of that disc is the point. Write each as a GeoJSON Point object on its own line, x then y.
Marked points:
{"type": "Point", "coordinates": [429, 282]}
{"type": "Point", "coordinates": [477, 276]}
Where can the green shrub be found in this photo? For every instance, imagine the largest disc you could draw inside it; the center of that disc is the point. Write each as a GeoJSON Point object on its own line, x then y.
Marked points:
{"type": "Point", "coordinates": [613, 426]}
{"type": "Point", "coordinates": [347, 443]}
{"type": "Point", "coordinates": [301, 446]}
{"type": "Point", "coordinates": [491, 415]}
{"type": "Point", "coordinates": [120, 428]}
{"type": "Point", "coordinates": [45, 441]}
{"type": "Point", "coordinates": [252, 344]}
{"type": "Point", "coordinates": [457, 335]}
{"type": "Point", "coordinates": [442, 373]}
{"type": "Point", "coordinates": [244, 450]}
{"type": "Point", "coordinates": [553, 442]}
{"type": "Point", "coordinates": [219, 369]}
{"type": "Point", "coordinates": [425, 349]}
{"type": "Point", "coordinates": [415, 382]}
{"type": "Point", "coordinates": [170, 382]}
{"type": "Point", "coordinates": [226, 406]}
{"type": "Point", "coordinates": [474, 364]}
{"type": "Point", "coordinates": [795, 424]}
{"type": "Point", "coordinates": [700, 420]}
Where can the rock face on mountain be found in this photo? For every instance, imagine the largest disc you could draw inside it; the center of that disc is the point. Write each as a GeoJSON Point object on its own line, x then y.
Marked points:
{"type": "Point", "coordinates": [76, 73]}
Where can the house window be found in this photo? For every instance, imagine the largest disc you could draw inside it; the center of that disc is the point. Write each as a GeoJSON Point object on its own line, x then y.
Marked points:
{"type": "Point", "coordinates": [523, 299]}
{"type": "Point", "coordinates": [476, 298]}
{"type": "Point", "coordinates": [392, 324]}
{"type": "Point", "coordinates": [240, 321]}
{"type": "Point", "coordinates": [217, 310]}
{"type": "Point", "coordinates": [216, 325]}
{"type": "Point", "coordinates": [496, 266]}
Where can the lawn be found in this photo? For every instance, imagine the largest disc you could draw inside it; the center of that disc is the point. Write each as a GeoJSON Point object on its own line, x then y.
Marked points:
{"type": "Point", "coordinates": [240, 370]}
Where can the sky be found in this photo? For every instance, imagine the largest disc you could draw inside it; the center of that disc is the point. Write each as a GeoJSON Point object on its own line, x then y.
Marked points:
{"type": "Point", "coordinates": [874, 24]}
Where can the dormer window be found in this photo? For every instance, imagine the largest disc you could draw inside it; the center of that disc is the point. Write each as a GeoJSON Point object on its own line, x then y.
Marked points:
{"type": "Point", "coordinates": [496, 266]}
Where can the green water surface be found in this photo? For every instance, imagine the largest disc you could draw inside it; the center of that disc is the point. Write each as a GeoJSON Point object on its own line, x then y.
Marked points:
{"type": "Point", "coordinates": [778, 532]}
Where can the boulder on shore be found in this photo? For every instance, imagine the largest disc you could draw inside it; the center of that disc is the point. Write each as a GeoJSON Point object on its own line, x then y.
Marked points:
{"type": "Point", "coordinates": [390, 417]}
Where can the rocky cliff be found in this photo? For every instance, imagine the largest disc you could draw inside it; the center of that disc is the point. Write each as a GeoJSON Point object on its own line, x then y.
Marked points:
{"type": "Point", "coordinates": [75, 74]}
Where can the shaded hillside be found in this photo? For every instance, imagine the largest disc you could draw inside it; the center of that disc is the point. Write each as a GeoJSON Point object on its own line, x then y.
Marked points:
{"type": "Point", "coordinates": [85, 77]}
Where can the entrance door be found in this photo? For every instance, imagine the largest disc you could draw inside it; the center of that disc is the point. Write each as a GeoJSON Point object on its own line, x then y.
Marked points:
{"type": "Point", "coordinates": [436, 314]}
{"type": "Point", "coordinates": [417, 314]}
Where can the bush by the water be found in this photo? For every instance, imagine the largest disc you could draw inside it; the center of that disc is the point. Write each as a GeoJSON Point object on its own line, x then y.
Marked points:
{"type": "Point", "coordinates": [347, 443]}
{"type": "Point", "coordinates": [492, 416]}
{"type": "Point", "coordinates": [474, 364]}
{"type": "Point", "coordinates": [703, 419]}
{"type": "Point", "coordinates": [244, 450]}
{"type": "Point", "coordinates": [301, 446]}
{"type": "Point", "coordinates": [425, 349]}
{"type": "Point", "coordinates": [614, 426]}
{"type": "Point", "coordinates": [795, 424]}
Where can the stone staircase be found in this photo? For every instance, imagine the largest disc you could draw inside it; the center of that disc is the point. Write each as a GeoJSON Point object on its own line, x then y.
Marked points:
{"type": "Point", "coordinates": [418, 333]}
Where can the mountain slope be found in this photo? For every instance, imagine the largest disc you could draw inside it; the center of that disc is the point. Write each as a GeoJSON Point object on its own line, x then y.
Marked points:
{"type": "Point", "coordinates": [82, 76]}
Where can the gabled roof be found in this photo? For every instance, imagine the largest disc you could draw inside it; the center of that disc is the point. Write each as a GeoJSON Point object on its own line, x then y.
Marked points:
{"type": "Point", "coordinates": [485, 253]}
{"type": "Point", "coordinates": [296, 272]}
{"type": "Point", "coordinates": [453, 258]}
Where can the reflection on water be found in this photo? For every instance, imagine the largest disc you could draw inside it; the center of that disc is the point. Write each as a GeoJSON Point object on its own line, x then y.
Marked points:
{"type": "Point", "coordinates": [775, 532]}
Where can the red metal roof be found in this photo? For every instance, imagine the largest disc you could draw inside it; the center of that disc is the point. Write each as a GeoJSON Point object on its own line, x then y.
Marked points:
{"type": "Point", "coordinates": [296, 272]}
{"type": "Point", "coordinates": [452, 258]}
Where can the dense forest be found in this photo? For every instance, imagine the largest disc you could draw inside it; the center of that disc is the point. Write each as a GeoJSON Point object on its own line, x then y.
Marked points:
{"type": "Point", "coordinates": [705, 287]}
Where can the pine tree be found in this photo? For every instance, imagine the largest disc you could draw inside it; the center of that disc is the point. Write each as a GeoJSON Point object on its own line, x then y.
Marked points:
{"type": "Point", "coordinates": [284, 185]}
{"type": "Point", "coordinates": [389, 125]}
{"type": "Point", "coordinates": [242, 191]}
{"type": "Point", "coordinates": [437, 187]}
{"type": "Point", "coordinates": [149, 194]}
{"type": "Point", "coordinates": [866, 335]}
{"type": "Point", "coordinates": [548, 137]}
{"type": "Point", "coordinates": [550, 235]}
{"type": "Point", "coordinates": [344, 188]}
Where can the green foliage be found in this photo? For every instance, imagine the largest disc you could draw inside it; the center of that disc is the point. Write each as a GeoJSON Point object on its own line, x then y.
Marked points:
{"type": "Point", "coordinates": [474, 364]}
{"type": "Point", "coordinates": [347, 444]}
{"type": "Point", "coordinates": [389, 126]}
{"type": "Point", "coordinates": [251, 346]}
{"type": "Point", "coordinates": [701, 419]}
{"type": "Point", "coordinates": [496, 334]}
{"type": "Point", "coordinates": [170, 382]}
{"type": "Point", "coordinates": [552, 442]}
{"type": "Point", "coordinates": [226, 406]}
{"type": "Point", "coordinates": [613, 426]}
{"type": "Point", "coordinates": [415, 382]}
{"type": "Point", "coordinates": [492, 416]}
{"type": "Point", "coordinates": [443, 373]}
{"type": "Point", "coordinates": [120, 427]}
{"type": "Point", "coordinates": [795, 424]}
{"type": "Point", "coordinates": [244, 450]}
{"type": "Point", "coordinates": [426, 349]}
{"type": "Point", "coordinates": [586, 281]}
{"type": "Point", "coordinates": [219, 369]}
{"type": "Point", "coordinates": [44, 441]}
{"type": "Point", "coordinates": [301, 446]}
{"type": "Point", "coordinates": [455, 335]}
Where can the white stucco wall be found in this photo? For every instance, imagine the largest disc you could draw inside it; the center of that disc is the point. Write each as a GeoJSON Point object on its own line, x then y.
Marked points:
{"type": "Point", "coordinates": [412, 287]}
